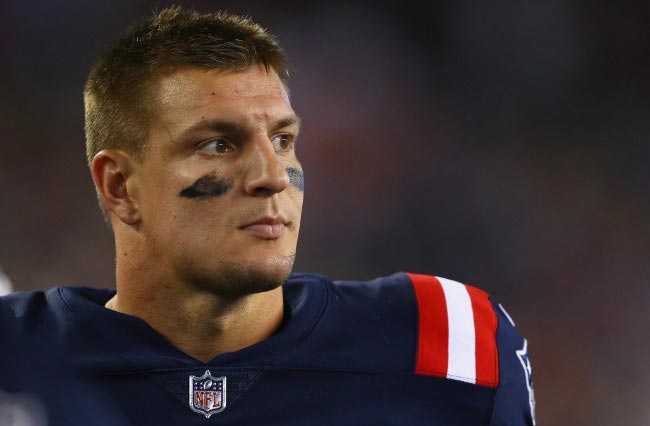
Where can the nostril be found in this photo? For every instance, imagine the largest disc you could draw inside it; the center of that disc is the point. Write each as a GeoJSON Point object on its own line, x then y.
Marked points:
{"type": "Point", "coordinates": [263, 192]}
{"type": "Point", "coordinates": [268, 184]}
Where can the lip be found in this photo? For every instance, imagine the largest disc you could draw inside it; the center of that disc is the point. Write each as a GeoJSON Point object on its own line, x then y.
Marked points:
{"type": "Point", "coordinates": [267, 227]}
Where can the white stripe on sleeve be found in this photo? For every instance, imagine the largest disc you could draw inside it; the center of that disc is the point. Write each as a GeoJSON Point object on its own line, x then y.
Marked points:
{"type": "Point", "coordinates": [462, 340]}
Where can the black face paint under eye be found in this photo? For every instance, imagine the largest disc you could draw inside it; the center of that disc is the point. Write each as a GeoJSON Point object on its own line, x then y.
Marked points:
{"type": "Point", "coordinates": [296, 178]}
{"type": "Point", "coordinates": [207, 186]}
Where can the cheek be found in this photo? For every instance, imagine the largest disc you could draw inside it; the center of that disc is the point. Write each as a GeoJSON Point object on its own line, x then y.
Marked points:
{"type": "Point", "coordinates": [296, 178]}
{"type": "Point", "coordinates": [297, 199]}
{"type": "Point", "coordinates": [189, 232]}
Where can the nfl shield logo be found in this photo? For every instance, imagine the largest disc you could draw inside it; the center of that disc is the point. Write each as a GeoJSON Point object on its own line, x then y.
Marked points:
{"type": "Point", "coordinates": [207, 394]}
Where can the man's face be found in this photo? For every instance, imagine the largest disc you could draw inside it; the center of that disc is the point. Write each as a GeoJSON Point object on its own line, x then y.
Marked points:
{"type": "Point", "coordinates": [220, 187]}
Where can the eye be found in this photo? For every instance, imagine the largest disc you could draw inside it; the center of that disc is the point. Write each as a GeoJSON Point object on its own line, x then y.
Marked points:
{"type": "Point", "coordinates": [216, 147]}
{"type": "Point", "coordinates": [282, 142]}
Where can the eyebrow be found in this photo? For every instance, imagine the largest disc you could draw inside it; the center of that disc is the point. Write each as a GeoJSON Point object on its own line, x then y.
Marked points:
{"type": "Point", "coordinates": [231, 126]}
{"type": "Point", "coordinates": [292, 120]}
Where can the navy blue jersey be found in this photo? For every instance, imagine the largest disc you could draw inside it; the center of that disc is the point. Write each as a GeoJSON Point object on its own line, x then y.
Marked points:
{"type": "Point", "coordinates": [36, 387]}
{"type": "Point", "coordinates": [400, 350]}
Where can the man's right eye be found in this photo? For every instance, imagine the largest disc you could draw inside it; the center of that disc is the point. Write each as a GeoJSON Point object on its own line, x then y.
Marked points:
{"type": "Point", "coordinates": [216, 147]}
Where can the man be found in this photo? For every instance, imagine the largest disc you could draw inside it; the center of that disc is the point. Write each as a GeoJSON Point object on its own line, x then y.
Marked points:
{"type": "Point", "coordinates": [190, 140]}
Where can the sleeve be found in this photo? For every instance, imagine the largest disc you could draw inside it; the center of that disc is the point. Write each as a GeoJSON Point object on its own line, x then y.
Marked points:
{"type": "Point", "coordinates": [514, 402]}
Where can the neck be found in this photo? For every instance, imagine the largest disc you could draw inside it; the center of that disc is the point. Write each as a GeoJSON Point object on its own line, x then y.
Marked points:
{"type": "Point", "coordinates": [203, 325]}
{"type": "Point", "coordinates": [200, 323]}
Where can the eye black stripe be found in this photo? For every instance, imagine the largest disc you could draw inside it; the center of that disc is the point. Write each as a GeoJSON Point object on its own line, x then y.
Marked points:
{"type": "Point", "coordinates": [207, 186]}
{"type": "Point", "coordinates": [296, 178]}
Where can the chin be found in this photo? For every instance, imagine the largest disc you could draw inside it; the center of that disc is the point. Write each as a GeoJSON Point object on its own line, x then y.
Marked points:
{"type": "Point", "coordinates": [241, 278]}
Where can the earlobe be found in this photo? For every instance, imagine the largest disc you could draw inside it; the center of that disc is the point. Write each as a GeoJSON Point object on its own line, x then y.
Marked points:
{"type": "Point", "coordinates": [113, 174]}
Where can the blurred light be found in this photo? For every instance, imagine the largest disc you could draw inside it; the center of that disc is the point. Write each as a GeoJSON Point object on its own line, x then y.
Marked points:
{"type": "Point", "coordinates": [5, 283]}
{"type": "Point", "coordinates": [21, 410]}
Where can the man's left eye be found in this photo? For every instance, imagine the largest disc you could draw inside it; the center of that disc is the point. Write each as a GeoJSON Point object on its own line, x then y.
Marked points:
{"type": "Point", "coordinates": [282, 142]}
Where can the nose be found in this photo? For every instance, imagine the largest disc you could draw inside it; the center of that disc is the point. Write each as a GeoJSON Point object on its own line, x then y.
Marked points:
{"type": "Point", "coordinates": [265, 174]}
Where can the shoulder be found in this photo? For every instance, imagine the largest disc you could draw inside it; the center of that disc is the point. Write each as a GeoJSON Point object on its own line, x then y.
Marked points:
{"type": "Point", "coordinates": [30, 311]}
{"type": "Point", "coordinates": [385, 303]}
{"type": "Point", "coordinates": [24, 304]}
{"type": "Point", "coordinates": [360, 325]}
{"type": "Point", "coordinates": [383, 290]}
{"type": "Point", "coordinates": [36, 315]}
{"type": "Point", "coordinates": [415, 324]}
{"type": "Point", "coordinates": [437, 327]}
{"type": "Point", "coordinates": [463, 334]}
{"type": "Point", "coordinates": [39, 362]}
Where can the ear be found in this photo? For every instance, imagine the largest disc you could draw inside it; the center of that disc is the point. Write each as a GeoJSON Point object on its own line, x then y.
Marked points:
{"type": "Point", "coordinates": [113, 173]}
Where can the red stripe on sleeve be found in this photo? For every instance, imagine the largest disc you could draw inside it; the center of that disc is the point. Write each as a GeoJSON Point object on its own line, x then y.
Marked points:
{"type": "Point", "coordinates": [433, 333]}
{"type": "Point", "coordinates": [485, 326]}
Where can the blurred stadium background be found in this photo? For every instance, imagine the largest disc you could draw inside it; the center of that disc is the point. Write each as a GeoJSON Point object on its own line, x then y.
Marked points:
{"type": "Point", "coordinates": [504, 144]}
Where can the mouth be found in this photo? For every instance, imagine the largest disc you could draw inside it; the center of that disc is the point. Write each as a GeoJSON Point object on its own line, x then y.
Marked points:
{"type": "Point", "coordinates": [267, 227]}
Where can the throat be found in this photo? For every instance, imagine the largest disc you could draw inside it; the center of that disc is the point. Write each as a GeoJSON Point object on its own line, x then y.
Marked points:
{"type": "Point", "coordinates": [204, 326]}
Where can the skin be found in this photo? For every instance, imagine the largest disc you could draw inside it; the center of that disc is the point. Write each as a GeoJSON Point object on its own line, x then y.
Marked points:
{"type": "Point", "coordinates": [188, 265]}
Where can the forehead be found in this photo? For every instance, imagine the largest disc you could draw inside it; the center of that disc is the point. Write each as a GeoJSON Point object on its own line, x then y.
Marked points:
{"type": "Point", "coordinates": [194, 92]}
